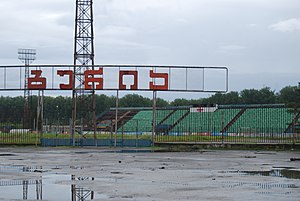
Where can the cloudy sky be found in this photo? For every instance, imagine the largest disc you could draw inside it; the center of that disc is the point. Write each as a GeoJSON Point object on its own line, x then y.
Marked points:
{"type": "Point", "coordinates": [259, 40]}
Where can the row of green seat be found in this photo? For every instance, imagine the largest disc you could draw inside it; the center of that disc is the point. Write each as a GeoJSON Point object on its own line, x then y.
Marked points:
{"type": "Point", "coordinates": [252, 120]}
{"type": "Point", "coordinates": [262, 120]}
{"type": "Point", "coordinates": [206, 121]}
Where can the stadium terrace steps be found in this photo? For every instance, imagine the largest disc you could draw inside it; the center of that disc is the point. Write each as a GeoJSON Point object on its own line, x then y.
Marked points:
{"type": "Point", "coordinates": [165, 118]}
{"type": "Point", "coordinates": [226, 119]}
{"type": "Point", "coordinates": [295, 119]}
{"type": "Point", "coordinates": [107, 120]}
{"type": "Point", "coordinates": [225, 129]}
{"type": "Point", "coordinates": [262, 120]}
{"type": "Point", "coordinates": [179, 120]}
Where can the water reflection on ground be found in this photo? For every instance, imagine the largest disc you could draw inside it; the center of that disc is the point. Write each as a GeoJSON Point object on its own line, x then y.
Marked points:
{"type": "Point", "coordinates": [48, 186]}
{"type": "Point", "coordinates": [276, 172]}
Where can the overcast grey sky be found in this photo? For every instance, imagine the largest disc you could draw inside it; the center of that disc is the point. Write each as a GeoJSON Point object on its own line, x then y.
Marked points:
{"type": "Point", "coordinates": [259, 40]}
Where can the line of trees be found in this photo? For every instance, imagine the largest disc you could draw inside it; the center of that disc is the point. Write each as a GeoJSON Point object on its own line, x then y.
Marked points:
{"type": "Point", "coordinates": [59, 109]}
{"type": "Point", "coordinates": [265, 95]}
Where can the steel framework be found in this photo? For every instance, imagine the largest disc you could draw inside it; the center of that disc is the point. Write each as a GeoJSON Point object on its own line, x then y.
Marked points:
{"type": "Point", "coordinates": [80, 193]}
{"type": "Point", "coordinates": [83, 60]}
{"type": "Point", "coordinates": [27, 56]}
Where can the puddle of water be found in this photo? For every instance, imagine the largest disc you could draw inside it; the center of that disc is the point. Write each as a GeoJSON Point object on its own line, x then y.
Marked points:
{"type": "Point", "coordinates": [129, 151]}
{"type": "Point", "coordinates": [259, 185]}
{"type": "Point", "coordinates": [59, 187]}
{"type": "Point", "coordinates": [77, 167]}
{"type": "Point", "coordinates": [20, 168]}
{"type": "Point", "coordinates": [48, 187]}
{"type": "Point", "coordinates": [43, 188]}
{"type": "Point", "coordinates": [265, 153]}
{"type": "Point", "coordinates": [82, 152]}
{"type": "Point", "coordinates": [271, 187]}
{"type": "Point", "coordinates": [7, 154]}
{"type": "Point", "coordinates": [286, 173]}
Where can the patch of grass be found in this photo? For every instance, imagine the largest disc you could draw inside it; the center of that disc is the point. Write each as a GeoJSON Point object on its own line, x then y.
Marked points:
{"type": "Point", "coordinates": [34, 139]}
{"type": "Point", "coordinates": [98, 136]}
{"type": "Point", "coordinates": [19, 138]}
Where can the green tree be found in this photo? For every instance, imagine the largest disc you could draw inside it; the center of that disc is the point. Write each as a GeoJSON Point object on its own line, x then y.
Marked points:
{"type": "Point", "coordinates": [11, 109]}
{"type": "Point", "coordinates": [294, 102]}
{"type": "Point", "coordinates": [254, 96]}
{"type": "Point", "coordinates": [134, 100]}
{"type": "Point", "coordinates": [181, 102]}
{"type": "Point", "coordinates": [161, 102]}
{"type": "Point", "coordinates": [267, 96]}
{"type": "Point", "coordinates": [223, 98]}
{"type": "Point", "coordinates": [287, 94]}
{"type": "Point", "coordinates": [232, 97]}
{"type": "Point", "coordinates": [104, 102]}
{"type": "Point", "coordinates": [250, 96]}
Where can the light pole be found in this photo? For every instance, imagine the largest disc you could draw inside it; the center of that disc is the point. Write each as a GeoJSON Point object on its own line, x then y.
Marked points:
{"type": "Point", "coordinates": [58, 122]}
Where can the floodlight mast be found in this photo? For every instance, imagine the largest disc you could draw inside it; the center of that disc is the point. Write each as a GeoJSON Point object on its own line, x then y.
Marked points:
{"type": "Point", "coordinates": [83, 60]}
{"type": "Point", "coordinates": [27, 56]}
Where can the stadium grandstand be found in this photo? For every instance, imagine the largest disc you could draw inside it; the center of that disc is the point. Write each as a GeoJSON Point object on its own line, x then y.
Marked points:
{"type": "Point", "coordinates": [239, 123]}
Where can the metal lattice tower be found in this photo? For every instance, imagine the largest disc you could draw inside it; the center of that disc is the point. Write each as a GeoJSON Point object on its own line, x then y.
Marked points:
{"type": "Point", "coordinates": [81, 194]}
{"type": "Point", "coordinates": [83, 60]}
{"type": "Point", "coordinates": [27, 56]}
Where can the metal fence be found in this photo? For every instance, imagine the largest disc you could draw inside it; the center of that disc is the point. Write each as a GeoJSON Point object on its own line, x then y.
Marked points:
{"type": "Point", "coordinates": [14, 134]}
{"type": "Point", "coordinates": [59, 135]}
{"type": "Point", "coordinates": [234, 124]}
{"type": "Point", "coordinates": [249, 124]}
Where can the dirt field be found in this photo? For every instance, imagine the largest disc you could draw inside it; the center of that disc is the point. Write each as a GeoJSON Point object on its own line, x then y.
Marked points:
{"type": "Point", "coordinates": [115, 175]}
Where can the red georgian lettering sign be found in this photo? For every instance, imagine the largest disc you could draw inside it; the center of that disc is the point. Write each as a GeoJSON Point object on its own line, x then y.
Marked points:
{"type": "Point", "coordinates": [70, 74]}
{"type": "Point", "coordinates": [89, 76]}
{"type": "Point", "coordinates": [163, 76]}
{"type": "Point", "coordinates": [122, 74]}
{"type": "Point", "coordinates": [37, 82]}
{"type": "Point", "coordinates": [115, 77]}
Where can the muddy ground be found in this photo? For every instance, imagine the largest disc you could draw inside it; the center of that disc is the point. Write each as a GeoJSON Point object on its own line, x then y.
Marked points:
{"type": "Point", "coordinates": [115, 175]}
